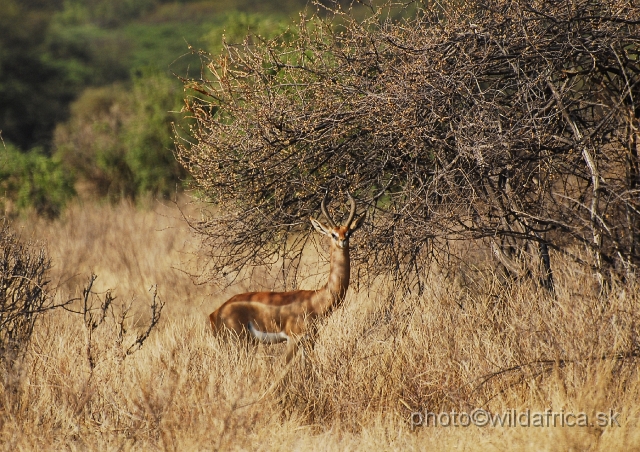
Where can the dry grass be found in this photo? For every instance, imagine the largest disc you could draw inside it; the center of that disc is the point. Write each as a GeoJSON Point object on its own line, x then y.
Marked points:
{"type": "Point", "coordinates": [377, 360]}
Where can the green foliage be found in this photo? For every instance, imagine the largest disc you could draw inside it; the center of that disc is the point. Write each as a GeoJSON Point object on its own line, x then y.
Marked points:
{"type": "Point", "coordinates": [33, 90]}
{"type": "Point", "coordinates": [92, 81]}
{"type": "Point", "coordinates": [239, 25]}
{"type": "Point", "coordinates": [156, 101]}
{"type": "Point", "coordinates": [33, 180]}
{"type": "Point", "coordinates": [104, 13]}
{"type": "Point", "coordinates": [119, 138]}
{"type": "Point", "coordinates": [90, 143]}
{"type": "Point", "coordinates": [88, 55]}
{"type": "Point", "coordinates": [164, 46]}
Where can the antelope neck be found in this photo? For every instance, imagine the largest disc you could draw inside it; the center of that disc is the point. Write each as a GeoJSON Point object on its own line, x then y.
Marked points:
{"type": "Point", "coordinates": [339, 272]}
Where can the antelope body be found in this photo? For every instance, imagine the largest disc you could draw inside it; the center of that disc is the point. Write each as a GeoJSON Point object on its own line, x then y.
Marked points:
{"type": "Point", "coordinates": [271, 317]}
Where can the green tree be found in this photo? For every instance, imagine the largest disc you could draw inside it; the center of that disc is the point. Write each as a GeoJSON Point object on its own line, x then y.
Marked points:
{"type": "Point", "coordinates": [119, 139]}
{"type": "Point", "coordinates": [33, 180]}
{"type": "Point", "coordinates": [33, 90]}
{"type": "Point", "coordinates": [156, 103]}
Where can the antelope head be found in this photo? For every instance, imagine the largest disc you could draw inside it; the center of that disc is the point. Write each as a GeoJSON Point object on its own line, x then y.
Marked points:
{"type": "Point", "coordinates": [339, 235]}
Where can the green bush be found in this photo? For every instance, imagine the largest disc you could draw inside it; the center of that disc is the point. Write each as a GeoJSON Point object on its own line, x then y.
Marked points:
{"type": "Point", "coordinates": [156, 101]}
{"type": "Point", "coordinates": [34, 91]}
{"type": "Point", "coordinates": [119, 139]}
{"type": "Point", "coordinates": [240, 25]}
{"type": "Point", "coordinates": [104, 101]}
{"type": "Point", "coordinates": [32, 180]}
{"type": "Point", "coordinates": [105, 13]}
{"type": "Point", "coordinates": [90, 144]}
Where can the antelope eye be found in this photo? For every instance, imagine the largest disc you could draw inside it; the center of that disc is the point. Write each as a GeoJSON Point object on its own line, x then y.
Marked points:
{"type": "Point", "coordinates": [334, 235]}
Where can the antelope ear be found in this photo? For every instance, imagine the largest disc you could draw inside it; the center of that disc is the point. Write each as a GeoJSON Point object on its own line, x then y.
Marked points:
{"type": "Point", "coordinates": [358, 222]}
{"type": "Point", "coordinates": [321, 228]}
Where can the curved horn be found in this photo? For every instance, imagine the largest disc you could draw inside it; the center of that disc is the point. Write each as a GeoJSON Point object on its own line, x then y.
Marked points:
{"type": "Point", "coordinates": [352, 213]}
{"type": "Point", "coordinates": [325, 213]}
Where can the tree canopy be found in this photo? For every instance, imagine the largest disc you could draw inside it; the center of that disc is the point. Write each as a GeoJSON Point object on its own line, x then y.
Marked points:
{"type": "Point", "coordinates": [512, 122]}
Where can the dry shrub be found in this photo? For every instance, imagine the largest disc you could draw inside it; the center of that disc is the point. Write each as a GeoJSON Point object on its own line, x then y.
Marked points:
{"type": "Point", "coordinates": [163, 397]}
{"type": "Point", "coordinates": [24, 291]}
{"type": "Point", "coordinates": [513, 121]}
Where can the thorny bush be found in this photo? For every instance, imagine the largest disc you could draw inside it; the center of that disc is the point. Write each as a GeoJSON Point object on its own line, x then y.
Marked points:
{"type": "Point", "coordinates": [514, 123]}
{"type": "Point", "coordinates": [24, 291]}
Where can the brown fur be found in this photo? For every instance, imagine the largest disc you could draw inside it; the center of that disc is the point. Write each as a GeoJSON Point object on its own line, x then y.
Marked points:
{"type": "Point", "coordinates": [292, 312]}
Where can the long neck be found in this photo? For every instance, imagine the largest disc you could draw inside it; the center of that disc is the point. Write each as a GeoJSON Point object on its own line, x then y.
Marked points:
{"type": "Point", "coordinates": [339, 272]}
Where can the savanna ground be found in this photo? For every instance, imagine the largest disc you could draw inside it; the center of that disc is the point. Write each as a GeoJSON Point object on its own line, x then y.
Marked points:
{"type": "Point", "coordinates": [472, 340]}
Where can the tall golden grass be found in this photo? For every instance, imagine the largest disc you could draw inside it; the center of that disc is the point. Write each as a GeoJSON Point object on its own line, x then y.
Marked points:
{"type": "Point", "coordinates": [466, 343]}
